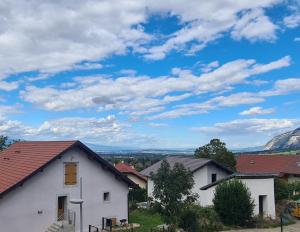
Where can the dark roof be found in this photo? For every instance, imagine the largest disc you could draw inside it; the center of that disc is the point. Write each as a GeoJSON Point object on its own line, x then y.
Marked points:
{"type": "Point", "coordinates": [277, 164]}
{"type": "Point", "coordinates": [192, 164]}
{"type": "Point", "coordinates": [239, 176]}
{"type": "Point", "coordinates": [127, 169]}
{"type": "Point", "coordinates": [24, 159]}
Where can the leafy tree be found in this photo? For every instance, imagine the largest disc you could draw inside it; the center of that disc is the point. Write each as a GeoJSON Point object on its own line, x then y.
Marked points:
{"type": "Point", "coordinates": [172, 191]}
{"type": "Point", "coordinates": [5, 142]}
{"type": "Point", "coordinates": [233, 203]}
{"type": "Point", "coordinates": [216, 150]}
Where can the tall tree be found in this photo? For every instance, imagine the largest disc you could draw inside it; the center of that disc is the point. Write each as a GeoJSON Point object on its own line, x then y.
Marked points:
{"type": "Point", "coordinates": [216, 150]}
{"type": "Point", "coordinates": [173, 191]}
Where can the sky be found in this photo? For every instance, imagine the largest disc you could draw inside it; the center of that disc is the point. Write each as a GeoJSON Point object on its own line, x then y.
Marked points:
{"type": "Point", "coordinates": [150, 74]}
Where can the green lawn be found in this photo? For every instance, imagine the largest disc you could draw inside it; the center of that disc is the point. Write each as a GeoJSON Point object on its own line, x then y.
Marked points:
{"type": "Point", "coordinates": [146, 219]}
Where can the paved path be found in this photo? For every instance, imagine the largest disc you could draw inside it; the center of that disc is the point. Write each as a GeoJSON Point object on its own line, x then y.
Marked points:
{"type": "Point", "coordinates": [291, 228]}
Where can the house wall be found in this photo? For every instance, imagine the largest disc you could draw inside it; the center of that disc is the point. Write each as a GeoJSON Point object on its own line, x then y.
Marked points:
{"type": "Point", "coordinates": [257, 187]}
{"type": "Point", "coordinates": [202, 177]}
{"type": "Point", "coordinates": [137, 180]}
{"type": "Point", "coordinates": [19, 208]}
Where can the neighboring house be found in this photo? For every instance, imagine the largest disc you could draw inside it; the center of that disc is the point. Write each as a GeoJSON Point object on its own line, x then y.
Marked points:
{"type": "Point", "coordinates": [285, 166]}
{"type": "Point", "coordinates": [208, 173]}
{"type": "Point", "coordinates": [132, 174]}
{"type": "Point", "coordinates": [38, 180]}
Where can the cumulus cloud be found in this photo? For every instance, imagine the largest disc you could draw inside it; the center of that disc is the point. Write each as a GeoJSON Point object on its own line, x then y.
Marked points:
{"type": "Point", "coordinates": [141, 95]}
{"type": "Point", "coordinates": [211, 21]}
{"type": "Point", "coordinates": [51, 36]}
{"type": "Point", "coordinates": [107, 130]}
{"type": "Point", "coordinates": [257, 111]}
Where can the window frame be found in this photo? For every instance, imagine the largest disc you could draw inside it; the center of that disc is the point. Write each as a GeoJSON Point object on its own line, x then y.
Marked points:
{"type": "Point", "coordinates": [109, 197]}
{"type": "Point", "coordinates": [64, 174]}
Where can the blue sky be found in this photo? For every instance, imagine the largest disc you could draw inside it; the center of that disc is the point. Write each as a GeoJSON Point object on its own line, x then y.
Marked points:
{"type": "Point", "coordinates": [150, 74]}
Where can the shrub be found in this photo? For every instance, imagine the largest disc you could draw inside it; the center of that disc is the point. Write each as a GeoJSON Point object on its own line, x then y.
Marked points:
{"type": "Point", "coordinates": [138, 195]}
{"type": "Point", "coordinates": [197, 218]}
{"type": "Point", "coordinates": [281, 189]}
{"type": "Point", "coordinates": [233, 203]}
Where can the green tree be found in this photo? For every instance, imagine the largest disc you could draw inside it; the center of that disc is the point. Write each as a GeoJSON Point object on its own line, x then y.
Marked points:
{"type": "Point", "coordinates": [4, 142]}
{"type": "Point", "coordinates": [216, 150]}
{"type": "Point", "coordinates": [172, 191]}
{"type": "Point", "coordinates": [233, 203]}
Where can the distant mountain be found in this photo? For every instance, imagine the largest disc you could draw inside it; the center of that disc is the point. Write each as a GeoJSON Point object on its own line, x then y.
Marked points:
{"type": "Point", "coordinates": [288, 140]}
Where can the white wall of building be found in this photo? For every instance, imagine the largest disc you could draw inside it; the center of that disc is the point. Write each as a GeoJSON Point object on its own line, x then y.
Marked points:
{"type": "Point", "coordinates": [202, 177]}
{"type": "Point", "coordinates": [257, 187]}
{"type": "Point", "coordinates": [19, 208]}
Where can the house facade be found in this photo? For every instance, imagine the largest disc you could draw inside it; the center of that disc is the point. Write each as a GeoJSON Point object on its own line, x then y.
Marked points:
{"type": "Point", "coordinates": [208, 173]}
{"type": "Point", "coordinates": [132, 174]}
{"type": "Point", "coordinates": [39, 179]}
{"type": "Point", "coordinates": [286, 167]}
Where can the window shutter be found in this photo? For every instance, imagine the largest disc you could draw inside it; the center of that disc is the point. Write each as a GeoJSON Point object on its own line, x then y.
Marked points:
{"type": "Point", "coordinates": [70, 174]}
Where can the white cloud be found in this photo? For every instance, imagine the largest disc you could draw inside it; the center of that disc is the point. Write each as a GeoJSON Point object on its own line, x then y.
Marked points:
{"type": "Point", "coordinates": [257, 111]}
{"type": "Point", "coordinates": [297, 39]}
{"type": "Point", "coordinates": [292, 21]}
{"type": "Point", "coordinates": [247, 126]}
{"type": "Point", "coordinates": [140, 95]}
{"type": "Point", "coordinates": [282, 87]}
{"type": "Point", "coordinates": [105, 131]}
{"type": "Point", "coordinates": [157, 124]}
{"type": "Point", "coordinates": [51, 36]}
{"type": "Point", "coordinates": [211, 21]}
{"type": "Point", "coordinates": [212, 104]}
{"type": "Point", "coordinates": [210, 66]}
{"type": "Point", "coordinates": [8, 86]}
{"type": "Point", "coordinates": [254, 25]}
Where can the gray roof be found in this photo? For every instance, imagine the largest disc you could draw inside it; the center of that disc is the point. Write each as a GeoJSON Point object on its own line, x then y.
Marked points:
{"type": "Point", "coordinates": [192, 164]}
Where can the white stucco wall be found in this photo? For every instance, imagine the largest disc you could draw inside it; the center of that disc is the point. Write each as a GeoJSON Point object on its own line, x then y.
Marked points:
{"type": "Point", "coordinates": [257, 187]}
{"type": "Point", "coordinates": [202, 177]}
{"type": "Point", "coordinates": [19, 208]}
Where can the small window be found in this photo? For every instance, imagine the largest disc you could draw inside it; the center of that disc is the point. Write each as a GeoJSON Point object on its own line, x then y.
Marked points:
{"type": "Point", "coordinates": [106, 196]}
{"type": "Point", "coordinates": [70, 174]}
{"type": "Point", "coordinates": [213, 177]}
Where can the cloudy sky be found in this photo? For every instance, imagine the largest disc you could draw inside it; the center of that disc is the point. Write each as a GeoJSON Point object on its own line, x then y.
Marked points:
{"type": "Point", "coordinates": [150, 74]}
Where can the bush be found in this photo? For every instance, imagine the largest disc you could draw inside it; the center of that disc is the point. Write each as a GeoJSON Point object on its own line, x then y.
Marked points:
{"type": "Point", "coordinates": [197, 218]}
{"type": "Point", "coordinates": [281, 189]}
{"type": "Point", "coordinates": [233, 203]}
{"type": "Point", "coordinates": [138, 195]}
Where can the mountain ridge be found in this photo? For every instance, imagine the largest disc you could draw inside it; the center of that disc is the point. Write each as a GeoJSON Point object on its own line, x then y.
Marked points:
{"type": "Point", "coordinates": [287, 140]}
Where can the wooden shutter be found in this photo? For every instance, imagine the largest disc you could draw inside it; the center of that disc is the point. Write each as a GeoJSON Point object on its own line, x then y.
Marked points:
{"type": "Point", "coordinates": [70, 174]}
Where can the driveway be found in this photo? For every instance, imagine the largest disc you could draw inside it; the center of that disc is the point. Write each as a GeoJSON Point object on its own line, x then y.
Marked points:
{"type": "Point", "coordinates": [291, 228]}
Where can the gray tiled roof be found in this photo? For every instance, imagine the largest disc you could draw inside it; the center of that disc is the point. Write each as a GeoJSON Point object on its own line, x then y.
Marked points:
{"type": "Point", "coordinates": [192, 164]}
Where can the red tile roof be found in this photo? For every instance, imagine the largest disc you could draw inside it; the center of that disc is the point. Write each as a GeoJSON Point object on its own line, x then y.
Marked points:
{"type": "Point", "coordinates": [127, 169]}
{"type": "Point", "coordinates": [23, 159]}
{"type": "Point", "coordinates": [276, 164]}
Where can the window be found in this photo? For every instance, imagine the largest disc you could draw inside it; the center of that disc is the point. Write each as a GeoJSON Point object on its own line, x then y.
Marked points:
{"type": "Point", "coordinates": [213, 177]}
{"type": "Point", "coordinates": [70, 173]}
{"type": "Point", "coordinates": [106, 196]}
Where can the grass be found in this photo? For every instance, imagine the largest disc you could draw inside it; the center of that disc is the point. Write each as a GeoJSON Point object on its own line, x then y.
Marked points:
{"type": "Point", "coordinates": [146, 219]}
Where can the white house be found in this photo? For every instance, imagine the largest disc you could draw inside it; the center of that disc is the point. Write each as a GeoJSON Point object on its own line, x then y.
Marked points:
{"type": "Point", "coordinates": [208, 173]}
{"type": "Point", "coordinates": [38, 180]}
